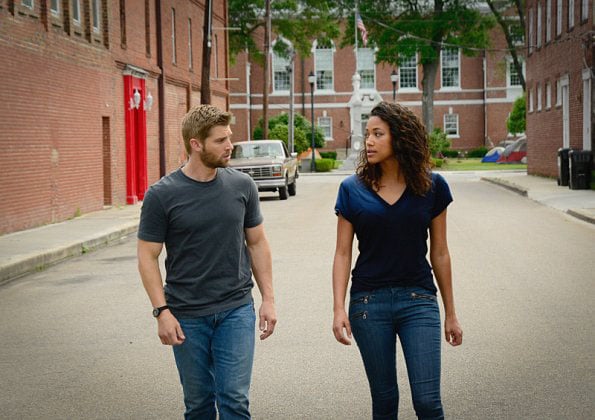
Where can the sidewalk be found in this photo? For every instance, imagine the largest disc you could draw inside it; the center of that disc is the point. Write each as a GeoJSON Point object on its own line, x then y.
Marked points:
{"type": "Point", "coordinates": [35, 249]}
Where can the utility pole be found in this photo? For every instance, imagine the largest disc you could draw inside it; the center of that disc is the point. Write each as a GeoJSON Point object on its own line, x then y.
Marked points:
{"type": "Point", "coordinates": [291, 111]}
{"type": "Point", "coordinates": [265, 93]}
{"type": "Point", "coordinates": [205, 75]}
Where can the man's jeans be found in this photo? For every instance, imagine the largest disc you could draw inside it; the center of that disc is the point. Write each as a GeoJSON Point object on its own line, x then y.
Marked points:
{"type": "Point", "coordinates": [215, 363]}
{"type": "Point", "coordinates": [412, 313]}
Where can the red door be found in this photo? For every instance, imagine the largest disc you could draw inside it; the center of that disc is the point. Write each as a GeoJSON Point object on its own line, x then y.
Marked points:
{"type": "Point", "coordinates": [136, 138]}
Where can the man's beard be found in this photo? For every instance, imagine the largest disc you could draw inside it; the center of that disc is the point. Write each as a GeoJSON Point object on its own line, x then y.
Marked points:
{"type": "Point", "coordinates": [210, 160]}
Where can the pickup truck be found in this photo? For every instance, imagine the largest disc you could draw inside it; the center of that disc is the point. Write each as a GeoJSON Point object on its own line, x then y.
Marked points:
{"type": "Point", "coordinates": [269, 163]}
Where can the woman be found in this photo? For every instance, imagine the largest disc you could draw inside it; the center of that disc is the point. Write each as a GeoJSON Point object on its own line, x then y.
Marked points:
{"type": "Point", "coordinates": [390, 204]}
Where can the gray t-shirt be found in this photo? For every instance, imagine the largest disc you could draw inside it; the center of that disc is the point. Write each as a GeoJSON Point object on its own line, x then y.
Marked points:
{"type": "Point", "coordinates": [202, 225]}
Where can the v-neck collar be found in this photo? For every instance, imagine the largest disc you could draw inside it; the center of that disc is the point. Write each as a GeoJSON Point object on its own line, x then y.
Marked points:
{"type": "Point", "coordinates": [386, 203]}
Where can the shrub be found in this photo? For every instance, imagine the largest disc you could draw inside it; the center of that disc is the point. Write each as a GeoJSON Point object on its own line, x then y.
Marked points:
{"type": "Point", "coordinates": [477, 153]}
{"type": "Point", "coordinates": [516, 121]}
{"type": "Point", "coordinates": [329, 155]}
{"type": "Point", "coordinates": [324, 165]}
{"type": "Point", "coordinates": [438, 142]}
{"type": "Point", "coordinates": [437, 163]}
{"type": "Point", "coordinates": [302, 131]}
{"type": "Point", "coordinates": [450, 153]}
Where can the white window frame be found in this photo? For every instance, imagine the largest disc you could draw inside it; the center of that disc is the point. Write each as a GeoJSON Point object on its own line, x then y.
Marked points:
{"type": "Point", "coordinates": [559, 11]}
{"type": "Point", "coordinates": [539, 96]}
{"type": "Point", "coordinates": [55, 12]}
{"type": "Point", "coordinates": [29, 4]}
{"type": "Point", "coordinates": [96, 18]}
{"type": "Point", "coordinates": [325, 123]}
{"type": "Point", "coordinates": [174, 57]}
{"type": "Point", "coordinates": [411, 68]}
{"type": "Point", "coordinates": [76, 18]}
{"type": "Point", "coordinates": [531, 99]}
{"type": "Point", "coordinates": [538, 43]}
{"type": "Point", "coordinates": [279, 65]}
{"type": "Point", "coordinates": [330, 88]}
{"type": "Point", "coordinates": [362, 65]}
{"type": "Point", "coordinates": [457, 85]}
{"type": "Point", "coordinates": [509, 71]}
{"type": "Point", "coordinates": [548, 95]}
{"type": "Point", "coordinates": [558, 93]}
{"type": "Point", "coordinates": [454, 122]}
{"type": "Point", "coordinates": [587, 80]}
{"type": "Point", "coordinates": [585, 9]}
{"type": "Point", "coordinates": [570, 14]}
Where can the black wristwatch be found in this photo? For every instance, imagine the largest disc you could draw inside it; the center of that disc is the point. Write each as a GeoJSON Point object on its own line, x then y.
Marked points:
{"type": "Point", "coordinates": [157, 311]}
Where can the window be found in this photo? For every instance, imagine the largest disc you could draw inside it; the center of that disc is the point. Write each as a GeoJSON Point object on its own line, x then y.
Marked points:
{"type": "Point", "coordinates": [559, 18]}
{"type": "Point", "coordinates": [451, 125]}
{"type": "Point", "coordinates": [365, 67]}
{"type": "Point", "coordinates": [281, 75]}
{"type": "Point", "coordinates": [173, 36]}
{"type": "Point", "coordinates": [27, 3]}
{"type": "Point", "coordinates": [408, 73]}
{"type": "Point", "coordinates": [585, 10]}
{"type": "Point", "coordinates": [548, 95]}
{"type": "Point", "coordinates": [96, 4]}
{"type": "Point", "coordinates": [548, 20]}
{"type": "Point", "coordinates": [558, 93]}
{"type": "Point", "coordinates": [531, 31]}
{"type": "Point", "coordinates": [323, 62]}
{"type": "Point", "coordinates": [538, 25]}
{"type": "Point", "coordinates": [190, 59]}
{"type": "Point", "coordinates": [450, 68]}
{"type": "Point", "coordinates": [55, 7]}
{"type": "Point", "coordinates": [531, 99]}
{"type": "Point", "coordinates": [514, 78]}
{"type": "Point", "coordinates": [76, 11]}
{"type": "Point", "coordinates": [326, 125]}
{"type": "Point", "coordinates": [539, 95]}
{"type": "Point", "coordinates": [570, 14]}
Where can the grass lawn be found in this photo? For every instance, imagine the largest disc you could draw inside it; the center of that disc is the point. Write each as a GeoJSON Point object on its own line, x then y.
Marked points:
{"type": "Point", "coordinates": [472, 164]}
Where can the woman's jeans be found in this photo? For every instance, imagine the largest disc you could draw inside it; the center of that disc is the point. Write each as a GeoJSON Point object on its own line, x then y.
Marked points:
{"type": "Point", "coordinates": [412, 313]}
{"type": "Point", "coordinates": [215, 363]}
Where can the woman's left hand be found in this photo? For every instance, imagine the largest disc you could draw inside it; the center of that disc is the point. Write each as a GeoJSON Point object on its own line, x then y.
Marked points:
{"type": "Point", "coordinates": [453, 331]}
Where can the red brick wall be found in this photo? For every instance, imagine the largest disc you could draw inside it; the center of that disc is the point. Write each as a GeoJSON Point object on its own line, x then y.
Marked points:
{"type": "Point", "coordinates": [59, 84]}
{"type": "Point", "coordinates": [564, 55]}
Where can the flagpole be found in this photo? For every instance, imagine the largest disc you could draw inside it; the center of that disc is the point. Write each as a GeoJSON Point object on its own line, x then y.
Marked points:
{"type": "Point", "coordinates": [355, 32]}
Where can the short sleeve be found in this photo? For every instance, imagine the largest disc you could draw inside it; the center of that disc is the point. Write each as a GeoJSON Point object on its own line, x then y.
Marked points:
{"type": "Point", "coordinates": [153, 220]}
{"type": "Point", "coordinates": [253, 215]}
{"type": "Point", "coordinates": [342, 205]}
{"type": "Point", "coordinates": [442, 194]}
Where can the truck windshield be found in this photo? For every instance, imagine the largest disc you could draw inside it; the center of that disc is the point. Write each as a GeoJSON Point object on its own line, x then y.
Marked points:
{"type": "Point", "coordinates": [255, 149]}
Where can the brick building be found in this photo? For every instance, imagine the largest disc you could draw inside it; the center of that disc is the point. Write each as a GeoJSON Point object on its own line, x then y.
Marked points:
{"type": "Point", "coordinates": [559, 87]}
{"type": "Point", "coordinates": [92, 93]}
{"type": "Point", "coordinates": [472, 98]}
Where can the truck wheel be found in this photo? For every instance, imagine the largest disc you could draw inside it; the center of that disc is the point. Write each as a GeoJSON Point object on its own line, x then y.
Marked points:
{"type": "Point", "coordinates": [283, 191]}
{"type": "Point", "coordinates": [291, 187]}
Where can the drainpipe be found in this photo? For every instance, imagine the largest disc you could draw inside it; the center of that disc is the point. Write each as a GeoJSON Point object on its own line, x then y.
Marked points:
{"type": "Point", "coordinates": [160, 89]}
{"type": "Point", "coordinates": [485, 110]}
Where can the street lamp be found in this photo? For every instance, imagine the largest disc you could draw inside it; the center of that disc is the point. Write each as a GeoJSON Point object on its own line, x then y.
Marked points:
{"type": "Point", "coordinates": [393, 78]}
{"type": "Point", "coordinates": [312, 80]}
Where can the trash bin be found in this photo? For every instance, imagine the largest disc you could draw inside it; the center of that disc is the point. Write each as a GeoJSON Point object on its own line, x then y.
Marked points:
{"type": "Point", "coordinates": [563, 166]}
{"type": "Point", "coordinates": [580, 169]}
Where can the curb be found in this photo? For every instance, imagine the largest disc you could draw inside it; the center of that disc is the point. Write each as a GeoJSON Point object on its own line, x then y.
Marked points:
{"type": "Point", "coordinates": [508, 185]}
{"type": "Point", "coordinates": [40, 261]}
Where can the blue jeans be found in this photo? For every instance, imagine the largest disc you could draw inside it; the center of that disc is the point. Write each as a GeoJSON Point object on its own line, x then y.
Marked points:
{"type": "Point", "coordinates": [412, 314]}
{"type": "Point", "coordinates": [215, 363]}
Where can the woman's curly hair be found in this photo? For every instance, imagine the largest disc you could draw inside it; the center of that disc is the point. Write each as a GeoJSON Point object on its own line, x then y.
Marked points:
{"type": "Point", "coordinates": [410, 145]}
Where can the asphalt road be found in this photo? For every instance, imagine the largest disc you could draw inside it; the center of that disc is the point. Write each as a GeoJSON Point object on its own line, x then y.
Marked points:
{"type": "Point", "coordinates": [78, 340]}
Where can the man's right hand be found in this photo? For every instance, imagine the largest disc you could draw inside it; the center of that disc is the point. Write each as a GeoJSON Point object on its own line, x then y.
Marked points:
{"type": "Point", "coordinates": [169, 329]}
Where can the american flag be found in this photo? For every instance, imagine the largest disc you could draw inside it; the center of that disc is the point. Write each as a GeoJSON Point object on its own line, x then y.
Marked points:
{"type": "Point", "coordinates": [362, 28]}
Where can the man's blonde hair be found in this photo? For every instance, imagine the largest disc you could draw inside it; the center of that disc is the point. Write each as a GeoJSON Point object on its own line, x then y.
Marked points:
{"type": "Point", "coordinates": [197, 123]}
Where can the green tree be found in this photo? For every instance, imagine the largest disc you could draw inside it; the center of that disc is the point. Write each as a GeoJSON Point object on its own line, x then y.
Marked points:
{"type": "Point", "coordinates": [278, 129]}
{"type": "Point", "coordinates": [402, 28]}
{"type": "Point", "coordinates": [510, 17]}
{"type": "Point", "coordinates": [297, 21]}
{"type": "Point", "coordinates": [516, 121]}
{"type": "Point", "coordinates": [438, 142]}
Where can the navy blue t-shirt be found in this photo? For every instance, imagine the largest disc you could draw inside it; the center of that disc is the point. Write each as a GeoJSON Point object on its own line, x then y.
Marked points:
{"type": "Point", "coordinates": [392, 238]}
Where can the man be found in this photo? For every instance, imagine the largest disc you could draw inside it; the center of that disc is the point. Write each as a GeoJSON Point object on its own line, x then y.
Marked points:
{"type": "Point", "coordinates": [208, 216]}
